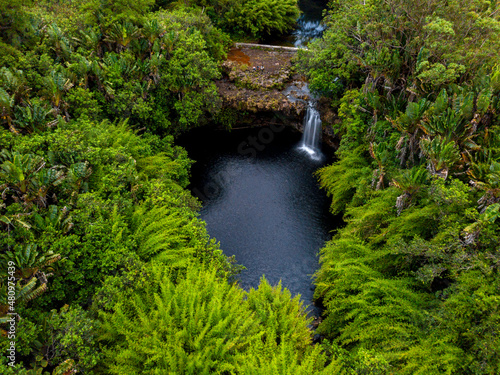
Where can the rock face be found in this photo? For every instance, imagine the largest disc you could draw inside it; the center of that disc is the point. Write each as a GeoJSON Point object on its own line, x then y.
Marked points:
{"type": "Point", "coordinates": [256, 81]}
{"type": "Point", "coordinates": [260, 85]}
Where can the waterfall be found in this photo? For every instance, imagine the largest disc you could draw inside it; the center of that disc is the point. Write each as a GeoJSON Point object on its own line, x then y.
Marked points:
{"type": "Point", "coordinates": [307, 31]}
{"type": "Point", "coordinates": [312, 132]}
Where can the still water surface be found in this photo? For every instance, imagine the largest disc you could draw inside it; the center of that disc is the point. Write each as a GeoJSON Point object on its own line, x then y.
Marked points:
{"type": "Point", "coordinates": [262, 202]}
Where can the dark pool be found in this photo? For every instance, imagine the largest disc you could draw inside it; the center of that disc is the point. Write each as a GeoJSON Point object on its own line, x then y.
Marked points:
{"type": "Point", "coordinates": [261, 201]}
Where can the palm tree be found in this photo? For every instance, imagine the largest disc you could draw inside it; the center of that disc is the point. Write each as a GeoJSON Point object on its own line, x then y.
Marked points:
{"type": "Point", "coordinates": [92, 40]}
{"type": "Point", "coordinates": [168, 40]}
{"type": "Point", "coordinates": [486, 177]}
{"type": "Point", "coordinates": [75, 179]}
{"type": "Point", "coordinates": [442, 155]}
{"type": "Point", "coordinates": [18, 170]}
{"type": "Point", "coordinates": [30, 264]}
{"type": "Point", "coordinates": [56, 85]}
{"type": "Point", "coordinates": [7, 109]}
{"type": "Point", "coordinates": [410, 182]}
{"type": "Point", "coordinates": [32, 117]}
{"type": "Point", "coordinates": [60, 43]}
{"type": "Point", "coordinates": [15, 83]}
{"type": "Point", "coordinates": [56, 218]}
{"type": "Point", "coordinates": [154, 64]}
{"type": "Point", "coordinates": [29, 260]}
{"type": "Point", "coordinates": [14, 220]}
{"type": "Point", "coordinates": [14, 91]}
{"type": "Point", "coordinates": [152, 31]}
{"type": "Point", "coordinates": [122, 35]}
{"type": "Point", "coordinates": [380, 154]}
{"type": "Point", "coordinates": [82, 68]}
{"type": "Point", "coordinates": [453, 118]}
{"type": "Point", "coordinates": [27, 178]}
{"type": "Point", "coordinates": [408, 124]}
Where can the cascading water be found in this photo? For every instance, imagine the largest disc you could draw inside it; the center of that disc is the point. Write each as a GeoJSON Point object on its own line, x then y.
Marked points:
{"type": "Point", "coordinates": [309, 26]}
{"type": "Point", "coordinates": [306, 31]}
{"type": "Point", "coordinates": [311, 138]}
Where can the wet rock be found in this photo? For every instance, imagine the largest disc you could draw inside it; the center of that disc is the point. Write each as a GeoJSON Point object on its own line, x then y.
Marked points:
{"type": "Point", "coordinates": [316, 322]}
{"type": "Point", "coordinates": [256, 81]}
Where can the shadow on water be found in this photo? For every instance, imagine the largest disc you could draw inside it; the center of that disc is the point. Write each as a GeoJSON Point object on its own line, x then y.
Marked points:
{"type": "Point", "coordinates": [262, 202]}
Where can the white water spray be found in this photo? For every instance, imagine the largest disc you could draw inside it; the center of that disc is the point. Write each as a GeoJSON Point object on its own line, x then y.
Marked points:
{"type": "Point", "coordinates": [311, 138]}
{"type": "Point", "coordinates": [307, 31]}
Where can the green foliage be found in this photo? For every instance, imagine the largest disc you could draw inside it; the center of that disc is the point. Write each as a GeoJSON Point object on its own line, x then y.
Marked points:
{"type": "Point", "coordinates": [73, 334]}
{"type": "Point", "coordinates": [254, 19]}
{"type": "Point", "coordinates": [168, 236]}
{"type": "Point", "coordinates": [414, 87]}
{"type": "Point", "coordinates": [91, 94]}
{"type": "Point", "coordinates": [110, 186]}
{"type": "Point", "coordinates": [84, 102]}
{"type": "Point", "coordinates": [340, 179]}
{"type": "Point", "coordinates": [216, 41]}
{"type": "Point", "coordinates": [197, 325]}
{"type": "Point", "coordinates": [115, 11]}
{"type": "Point", "coordinates": [191, 67]}
{"type": "Point", "coordinates": [29, 267]}
{"type": "Point", "coordinates": [442, 155]}
{"type": "Point", "coordinates": [260, 17]}
{"type": "Point", "coordinates": [27, 334]}
{"type": "Point", "coordinates": [28, 260]}
{"type": "Point", "coordinates": [471, 315]}
{"type": "Point", "coordinates": [285, 346]}
{"type": "Point", "coordinates": [427, 45]}
{"type": "Point", "coordinates": [119, 62]}
{"type": "Point", "coordinates": [280, 314]}
{"type": "Point", "coordinates": [288, 361]}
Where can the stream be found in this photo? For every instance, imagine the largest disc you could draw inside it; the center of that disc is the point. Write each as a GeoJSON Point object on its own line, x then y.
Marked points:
{"type": "Point", "coordinates": [308, 27]}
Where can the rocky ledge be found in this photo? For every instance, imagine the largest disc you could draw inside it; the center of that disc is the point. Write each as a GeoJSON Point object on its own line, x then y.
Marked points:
{"type": "Point", "coordinates": [257, 80]}
{"type": "Point", "coordinates": [261, 85]}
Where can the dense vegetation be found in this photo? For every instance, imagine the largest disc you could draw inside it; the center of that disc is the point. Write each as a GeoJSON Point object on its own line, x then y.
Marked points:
{"type": "Point", "coordinates": [411, 285]}
{"type": "Point", "coordinates": [95, 212]}
{"type": "Point", "coordinates": [250, 19]}
{"type": "Point", "coordinates": [115, 273]}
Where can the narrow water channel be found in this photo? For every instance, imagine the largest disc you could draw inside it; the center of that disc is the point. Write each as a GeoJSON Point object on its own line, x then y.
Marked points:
{"type": "Point", "coordinates": [309, 24]}
{"type": "Point", "coordinates": [308, 27]}
{"type": "Point", "coordinates": [262, 202]}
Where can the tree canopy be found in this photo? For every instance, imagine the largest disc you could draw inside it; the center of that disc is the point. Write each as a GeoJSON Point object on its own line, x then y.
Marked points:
{"type": "Point", "coordinates": [415, 87]}
{"type": "Point", "coordinates": [114, 272]}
